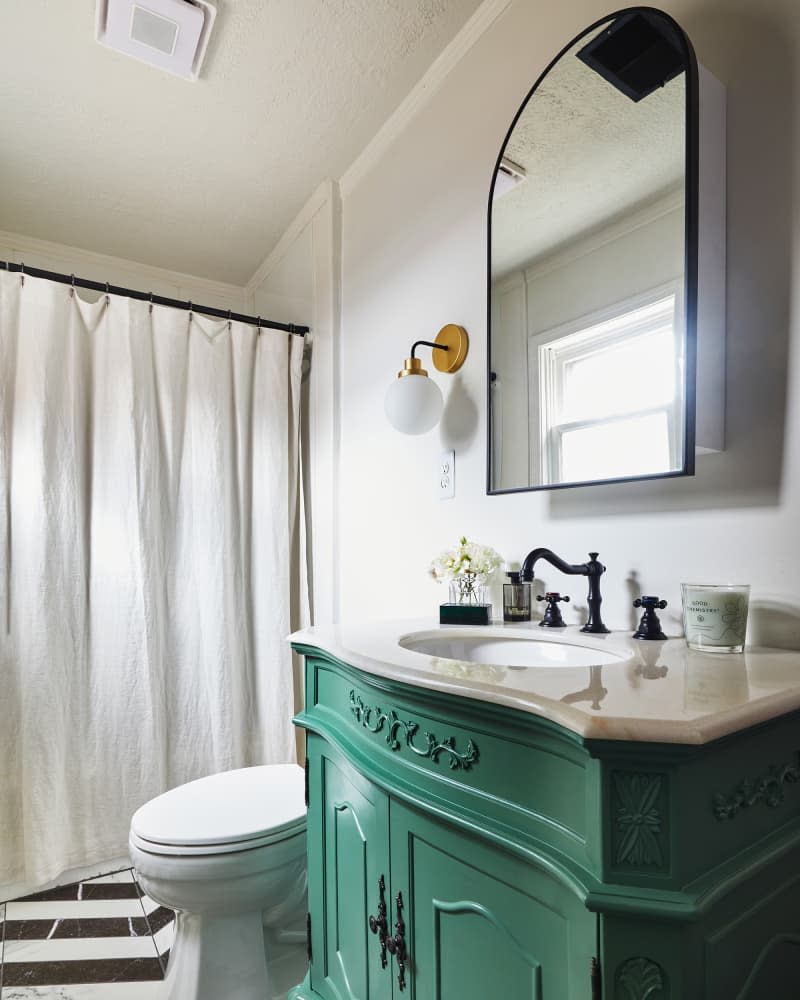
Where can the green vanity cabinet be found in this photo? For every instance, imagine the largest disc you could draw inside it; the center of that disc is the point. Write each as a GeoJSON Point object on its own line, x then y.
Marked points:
{"type": "Point", "coordinates": [482, 922]}
{"type": "Point", "coordinates": [477, 918]}
{"type": "Point", "coordinates": [348, 837]}
{"type": "Point", "coordinates": [519, 860]}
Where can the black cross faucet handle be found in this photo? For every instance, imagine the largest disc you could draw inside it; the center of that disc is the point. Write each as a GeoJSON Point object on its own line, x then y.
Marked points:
{"type": "Point", "coordinates": [649, 626]}
{"type": "Point", "coordinates": [552, 597]}
{"type": "Point", "coordinates": [649, 602]}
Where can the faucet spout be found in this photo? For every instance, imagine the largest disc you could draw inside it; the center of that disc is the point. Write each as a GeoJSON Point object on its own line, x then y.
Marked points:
{"type": "Point", "coordinates": [548, 555]}
{"type": "Point", "coordinates": [591, 569]}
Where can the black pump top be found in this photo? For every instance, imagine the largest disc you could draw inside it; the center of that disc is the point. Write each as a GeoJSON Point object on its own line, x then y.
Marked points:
{"type": "Point", "coordinates": [513, 576]}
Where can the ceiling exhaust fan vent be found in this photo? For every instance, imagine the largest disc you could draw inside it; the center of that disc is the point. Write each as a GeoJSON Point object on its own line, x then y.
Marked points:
{"type": "Point", "coordinates": [508, 176]}
{"type": "Point", "coordinates": [170, 34]}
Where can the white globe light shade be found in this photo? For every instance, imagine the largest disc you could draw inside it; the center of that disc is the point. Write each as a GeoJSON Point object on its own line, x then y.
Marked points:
{"type": "Point", "coordinates": [413, 404]}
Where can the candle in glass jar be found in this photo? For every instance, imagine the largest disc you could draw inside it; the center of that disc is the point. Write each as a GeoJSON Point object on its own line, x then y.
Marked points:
{"type": "Point", "coordinates": [715, 616]}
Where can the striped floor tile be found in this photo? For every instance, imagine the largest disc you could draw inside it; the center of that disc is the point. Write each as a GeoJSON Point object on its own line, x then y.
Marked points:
{"type": "Point", "coordinates": [102, 938]}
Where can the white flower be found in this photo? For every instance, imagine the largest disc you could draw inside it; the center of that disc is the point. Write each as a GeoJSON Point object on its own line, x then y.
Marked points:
{"type": "Point", "coordinates": [468, 559]}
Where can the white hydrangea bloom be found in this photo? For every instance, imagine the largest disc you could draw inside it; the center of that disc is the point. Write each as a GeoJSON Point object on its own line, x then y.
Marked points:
{"type": "Point", "coordinates": [480, 562]}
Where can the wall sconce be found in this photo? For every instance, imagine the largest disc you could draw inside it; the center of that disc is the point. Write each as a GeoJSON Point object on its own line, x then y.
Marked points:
{"type": "Point", "coordinates": [413, 402]}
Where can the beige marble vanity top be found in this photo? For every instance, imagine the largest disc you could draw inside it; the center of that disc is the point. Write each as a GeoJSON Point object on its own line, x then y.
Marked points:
{"type": "Point", "coordinates": [657, 692]}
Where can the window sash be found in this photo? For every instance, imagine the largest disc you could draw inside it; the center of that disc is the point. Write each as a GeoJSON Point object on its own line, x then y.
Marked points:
{"type": "Point", "coordinates": [652, 310]}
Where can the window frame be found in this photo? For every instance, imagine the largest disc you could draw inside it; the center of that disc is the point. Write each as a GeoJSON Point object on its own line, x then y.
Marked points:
{"type": "Point", "coordinates": [545, 379]}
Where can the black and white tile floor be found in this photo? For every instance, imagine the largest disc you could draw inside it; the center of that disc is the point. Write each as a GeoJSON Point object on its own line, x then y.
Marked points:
{"type": "Point", "coordinates": [102, 939]}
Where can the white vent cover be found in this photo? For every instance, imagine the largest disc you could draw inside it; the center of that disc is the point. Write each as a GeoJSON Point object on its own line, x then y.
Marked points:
{"type": "Point", "coordinates": [170, 34]}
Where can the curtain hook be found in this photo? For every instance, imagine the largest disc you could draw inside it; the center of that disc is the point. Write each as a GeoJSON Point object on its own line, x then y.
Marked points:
{"type": "Point", "coordinates": [191, 315]}
{"type": "Point", "coordinates": [229, 321]}
{"type": "Point", "coordinates": [108, 300]}
{"type": "Point", "coordinates": [151, 303]}
{"type": "Point", "coordinates": [258, 325]}
{"type": "Point", "coordinates": [72, 286]}
{"type": "Point", "coordinates": [22, 273]}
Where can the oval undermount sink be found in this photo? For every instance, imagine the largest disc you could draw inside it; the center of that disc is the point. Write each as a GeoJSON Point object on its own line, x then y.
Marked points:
{"type": "Point", "coordinates": [507, 651]}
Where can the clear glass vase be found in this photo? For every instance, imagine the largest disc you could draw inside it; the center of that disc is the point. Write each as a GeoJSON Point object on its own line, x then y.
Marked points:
{"type": "Point", "coordinates": [465, 589]}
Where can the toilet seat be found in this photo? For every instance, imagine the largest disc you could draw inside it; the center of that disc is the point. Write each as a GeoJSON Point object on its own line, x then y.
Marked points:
{"type": "Point", "coordinates": [224, 813]}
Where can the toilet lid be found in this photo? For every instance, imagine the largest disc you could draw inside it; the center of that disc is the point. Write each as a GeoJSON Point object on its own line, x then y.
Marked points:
{"type": "Point", "coordinates": [229, 808]}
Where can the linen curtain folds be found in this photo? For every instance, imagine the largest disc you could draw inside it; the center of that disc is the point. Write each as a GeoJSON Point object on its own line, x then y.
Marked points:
{"type": "Point", "coordinates": [149, 510]}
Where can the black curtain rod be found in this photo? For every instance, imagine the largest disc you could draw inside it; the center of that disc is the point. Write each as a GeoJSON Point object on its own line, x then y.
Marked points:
{"type": "Point", "coordinates": [159, 300]}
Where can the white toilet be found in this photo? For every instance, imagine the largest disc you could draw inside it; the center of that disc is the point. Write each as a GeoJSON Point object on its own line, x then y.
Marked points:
{"type": "Point", "coordinates": [228, 854]}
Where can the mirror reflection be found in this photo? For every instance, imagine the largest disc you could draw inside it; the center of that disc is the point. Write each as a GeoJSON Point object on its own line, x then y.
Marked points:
{"type": "Point", "coordinates": [588, 333]}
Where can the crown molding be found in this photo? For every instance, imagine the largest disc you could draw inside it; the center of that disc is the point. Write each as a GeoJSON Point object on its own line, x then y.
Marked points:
{"type": "Point", "coordinates": [423, 91]}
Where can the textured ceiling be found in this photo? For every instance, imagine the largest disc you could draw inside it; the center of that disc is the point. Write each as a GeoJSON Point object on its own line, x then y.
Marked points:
{"type": "Point", "coordinates": [591, 155]}
{"type": "Point", "coordinates": [105, 153]}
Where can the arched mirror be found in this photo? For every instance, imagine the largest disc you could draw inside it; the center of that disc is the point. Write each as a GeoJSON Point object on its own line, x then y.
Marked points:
{"type": "Point", "coordinates": [593, 264]}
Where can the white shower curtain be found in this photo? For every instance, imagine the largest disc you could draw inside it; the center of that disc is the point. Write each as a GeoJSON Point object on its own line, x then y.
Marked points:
{"type": "Point", "coordinates": [149, 499]}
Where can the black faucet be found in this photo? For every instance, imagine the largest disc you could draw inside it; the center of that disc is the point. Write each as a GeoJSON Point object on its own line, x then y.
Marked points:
{"type": "Point", "coordinates": [593, 569]}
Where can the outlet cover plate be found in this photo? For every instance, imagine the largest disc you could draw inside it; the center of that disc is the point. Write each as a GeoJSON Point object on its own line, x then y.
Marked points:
{"type": "Point", "coordinates": [447, 475]}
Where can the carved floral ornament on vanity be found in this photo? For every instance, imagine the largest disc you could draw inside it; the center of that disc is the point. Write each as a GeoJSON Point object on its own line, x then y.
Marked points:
{"type": "Point", "coordinates": [639, 811]}
{"type": "Point", "coordinates": [640, 979]}
{"type": "Point", "coordinates": [769, 789]}
{"type": "Point", "coordinates": [374, 719]}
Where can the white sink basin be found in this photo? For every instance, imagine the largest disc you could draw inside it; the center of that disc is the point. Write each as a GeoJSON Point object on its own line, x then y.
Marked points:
{"type": "Point", "coordinates": [500, 650]}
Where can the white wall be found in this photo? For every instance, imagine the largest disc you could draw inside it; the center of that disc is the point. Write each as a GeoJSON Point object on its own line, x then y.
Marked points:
{"type": "Point", "coordinates": [414, 258]}
{"type": "Point", "coordinates": [285, 294]}
{"type": "Point", "coordinates": [117, 271]}
{"type": "Point", "coordinates": [637, 260]}
{"type": "Point", "coordinates": [511, 408]}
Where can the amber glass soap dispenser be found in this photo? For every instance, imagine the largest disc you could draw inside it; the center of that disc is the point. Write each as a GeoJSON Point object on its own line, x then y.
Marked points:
{"type": "Point", "coordinates": [516, 599]}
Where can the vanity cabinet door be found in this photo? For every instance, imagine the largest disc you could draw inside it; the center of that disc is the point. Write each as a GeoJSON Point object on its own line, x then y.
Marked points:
{"type": "Point", "coordinates": [481, 922]}
{"type": "Point", "coordinates": [348, 852]}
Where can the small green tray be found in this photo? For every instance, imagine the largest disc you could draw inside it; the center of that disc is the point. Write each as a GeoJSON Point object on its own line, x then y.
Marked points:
{"type": "Point", "coordinates": [465, 614]}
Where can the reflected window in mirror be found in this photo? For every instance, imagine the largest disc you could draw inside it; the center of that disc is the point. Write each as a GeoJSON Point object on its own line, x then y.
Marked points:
{"type": "Point", "coordinates": [632, 426]}
{"type": "Point", "coordinates": [592, 267]}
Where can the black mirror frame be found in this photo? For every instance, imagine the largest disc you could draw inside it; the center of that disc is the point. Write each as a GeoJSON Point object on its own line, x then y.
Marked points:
{"type": "Point", "coordinates": [690, 261]}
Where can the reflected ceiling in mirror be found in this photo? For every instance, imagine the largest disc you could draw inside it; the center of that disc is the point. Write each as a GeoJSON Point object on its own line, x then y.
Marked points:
{"type": "Point", "coordinates": [591, 347]}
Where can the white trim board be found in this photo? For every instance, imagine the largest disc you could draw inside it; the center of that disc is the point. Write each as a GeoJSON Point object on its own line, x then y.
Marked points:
{"type": "Point", "coordinates": [325, 193]}
{"type": "Point", "coordinates": [325, 416]}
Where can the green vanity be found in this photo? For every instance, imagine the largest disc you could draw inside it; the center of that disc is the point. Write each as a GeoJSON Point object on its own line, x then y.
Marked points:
{"type": "Point", "coordinates": [619, 820]}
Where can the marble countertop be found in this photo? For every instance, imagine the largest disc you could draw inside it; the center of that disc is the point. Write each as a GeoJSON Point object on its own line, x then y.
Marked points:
{"type": "Point", "coordinates": [655, 692]}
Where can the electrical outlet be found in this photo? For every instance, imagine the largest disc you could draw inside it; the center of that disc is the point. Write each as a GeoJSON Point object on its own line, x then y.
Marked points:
{"type": "Point", "coordinates": [447, 475]}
